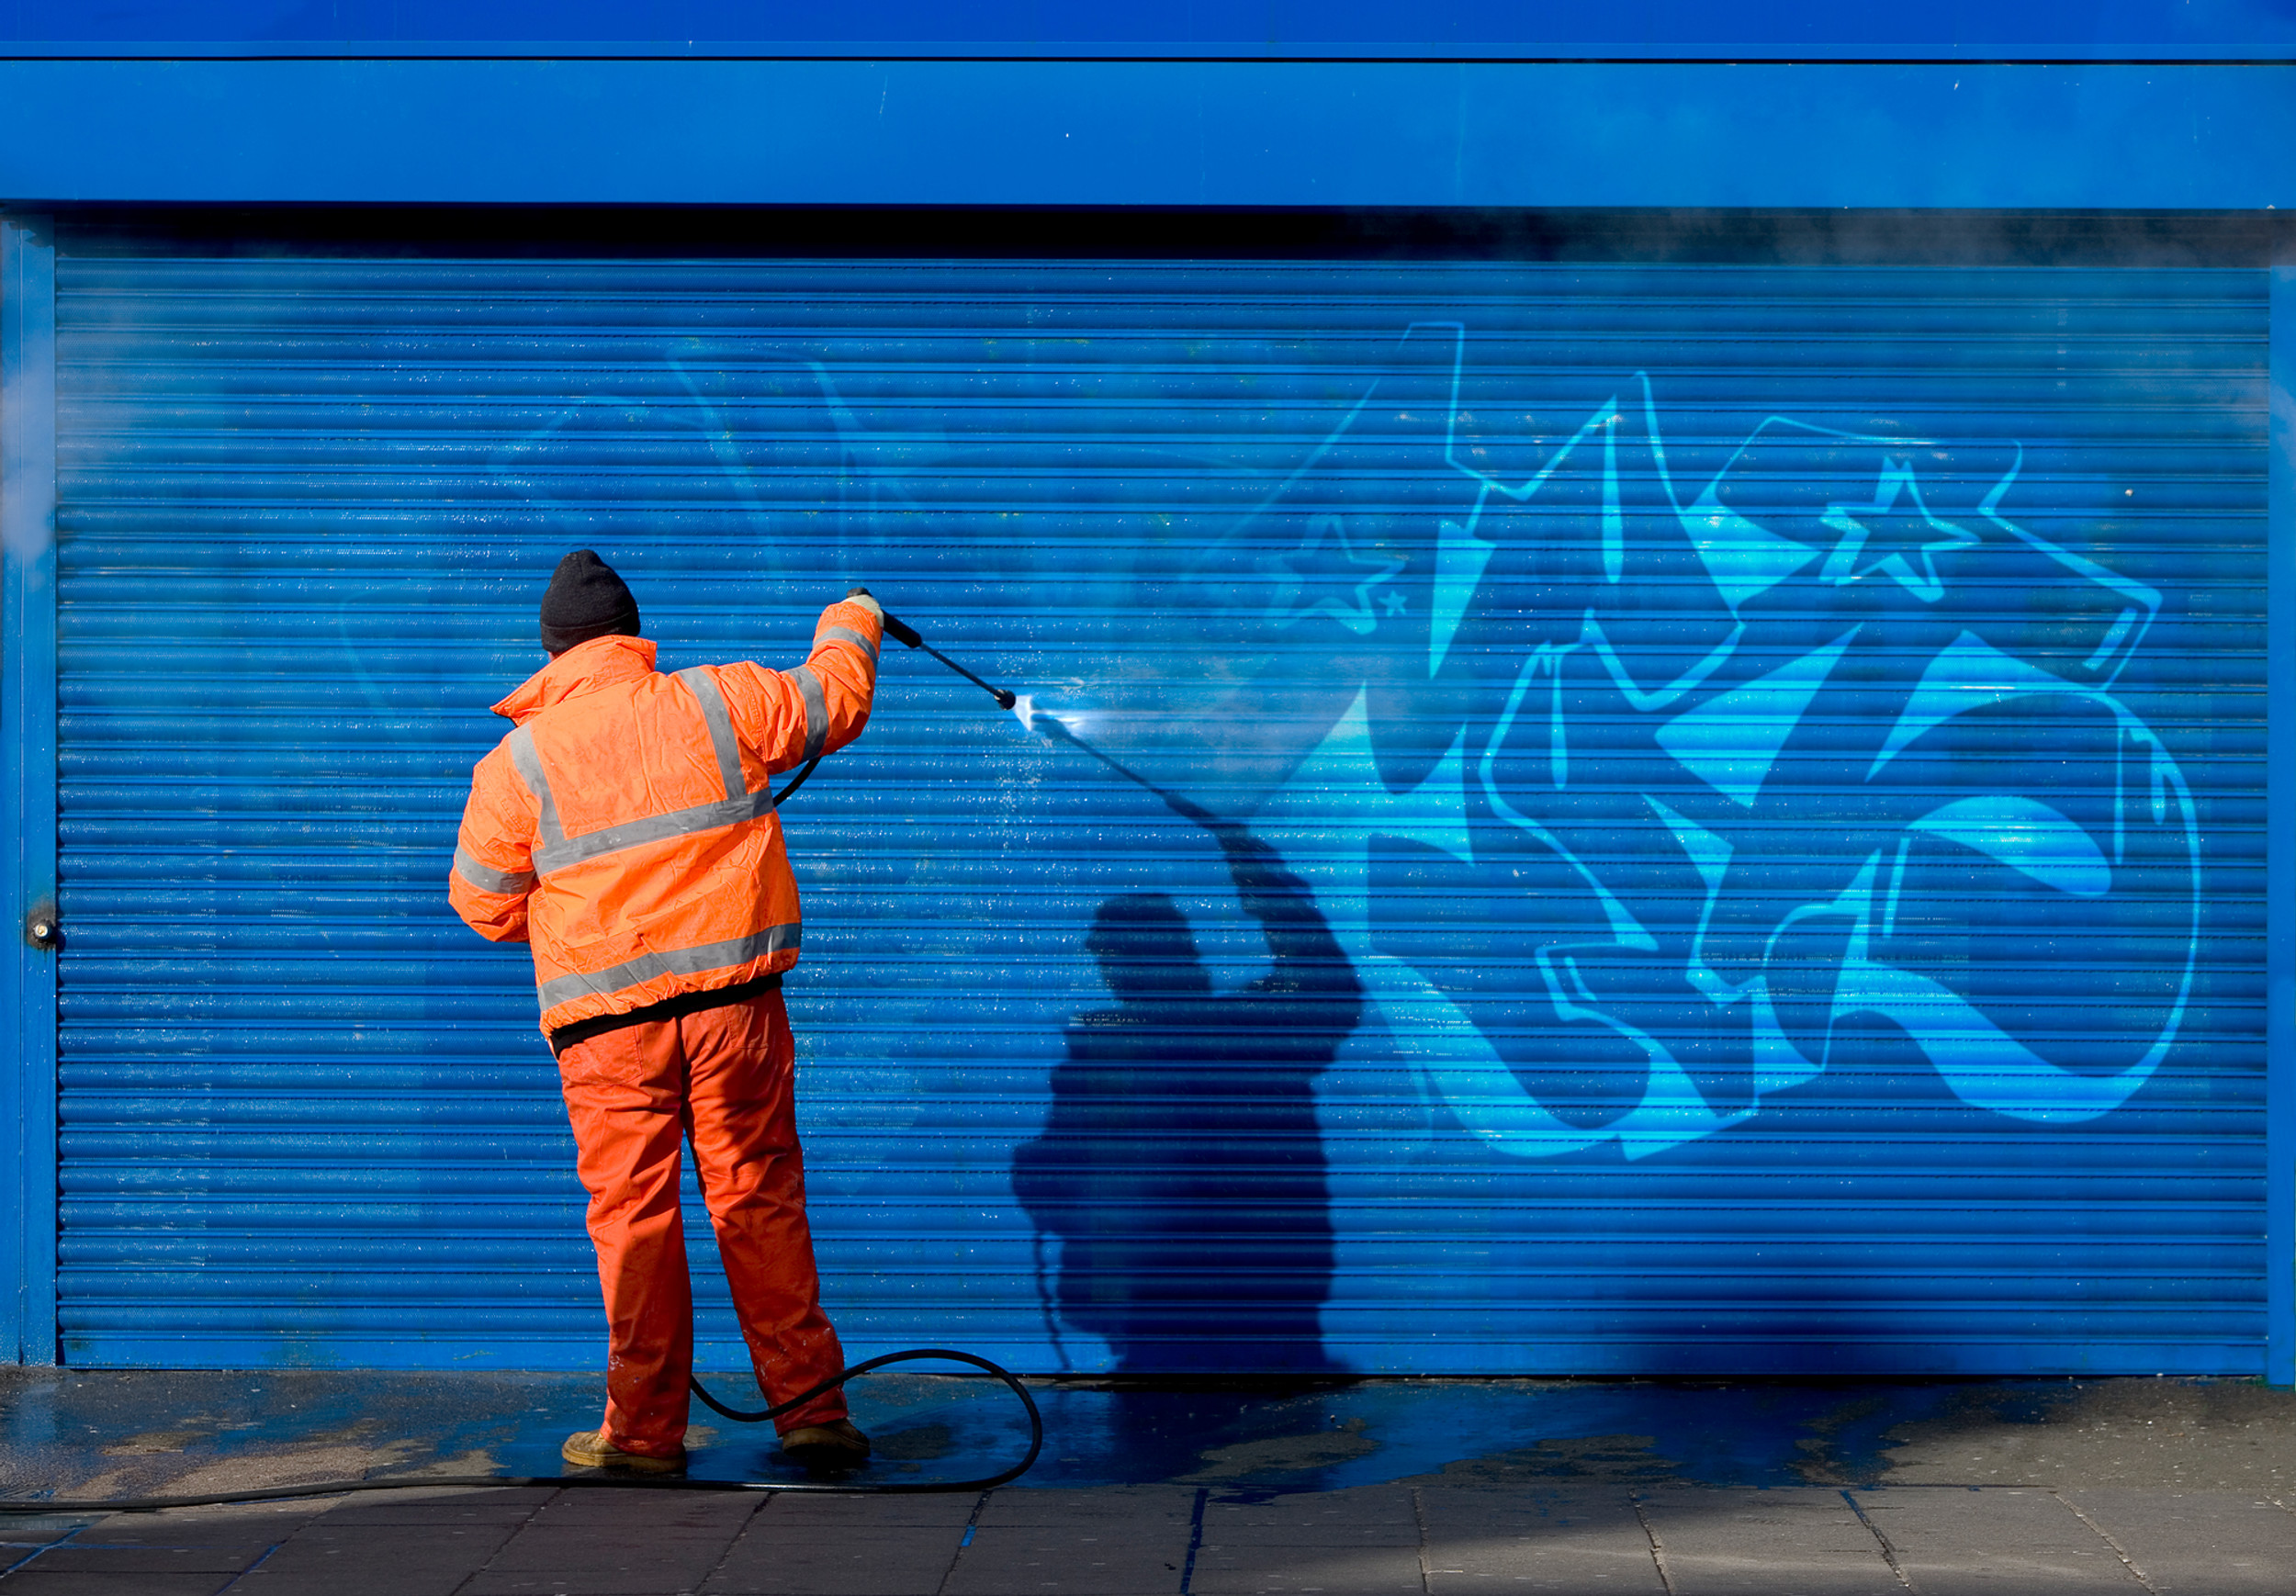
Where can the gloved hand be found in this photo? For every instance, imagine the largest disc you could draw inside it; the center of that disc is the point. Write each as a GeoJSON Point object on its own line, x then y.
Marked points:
{"type": "Point", "coordinates": [861, 596]}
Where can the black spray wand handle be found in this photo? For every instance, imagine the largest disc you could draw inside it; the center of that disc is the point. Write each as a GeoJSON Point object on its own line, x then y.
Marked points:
{"type": "Point", "coordinates": [902, 632]}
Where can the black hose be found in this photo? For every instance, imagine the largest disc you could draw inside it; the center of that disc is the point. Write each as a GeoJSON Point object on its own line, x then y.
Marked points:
{"type": "Point", "coordinates": [796, 781]}
{"type": "Point", "coordinates": [621, 1481]}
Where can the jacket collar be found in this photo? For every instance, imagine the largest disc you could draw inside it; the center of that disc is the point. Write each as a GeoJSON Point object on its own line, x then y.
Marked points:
{"type": "Point", "coordinates": [585, 668]}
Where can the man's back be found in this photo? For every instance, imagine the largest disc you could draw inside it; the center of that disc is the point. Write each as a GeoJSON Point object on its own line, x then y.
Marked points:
{"type": "Point", "coordinates": [626, 826]}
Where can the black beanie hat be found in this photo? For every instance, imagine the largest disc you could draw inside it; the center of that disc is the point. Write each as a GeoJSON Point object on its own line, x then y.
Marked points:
{"type": "Point", "coordinates": [586, 599]}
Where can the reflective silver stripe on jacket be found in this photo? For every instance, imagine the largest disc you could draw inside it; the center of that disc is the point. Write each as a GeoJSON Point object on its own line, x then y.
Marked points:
{"type": "Point", "coordinates": [676, 961]}
{"type": "Point", "coordinates": [527, 762]}
{"type": "Point", "coordinates": [845, 635]}
{"type": "Point", "coordinates": [720, 720]}
{"type": "Point", "coordinates": [816, 710]}
{"type": "Point", "coordinates": [557, 856]}
{"type": "Point", "coordinates": [515, 882]}
{"type": "Point", "coordinates": [558, 850]}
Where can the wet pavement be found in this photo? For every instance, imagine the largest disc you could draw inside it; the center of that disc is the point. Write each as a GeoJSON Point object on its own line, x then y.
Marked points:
{"type": "Point", "coordinates": [1551, 1486]}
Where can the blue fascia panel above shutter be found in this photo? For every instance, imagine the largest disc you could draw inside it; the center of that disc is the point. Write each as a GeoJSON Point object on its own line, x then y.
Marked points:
{"type": "Point", "coordinates": [1194, 133]}
{"type": "Point", "coordinates": [2043, 30]}
{"type": "Point", "coordinates": [1750, 789]}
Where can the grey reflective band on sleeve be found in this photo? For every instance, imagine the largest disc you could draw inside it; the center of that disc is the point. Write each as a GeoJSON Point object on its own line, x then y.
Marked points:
{"type": "Point", "coordinates": [527, 762]}
{"type": "Point", "coordinates": [845, 635]}
{"type": "Point", "coordinates": [816, 710]}
{"type": "Point", "coordinates": [515, 884]}
{"type": "Point", "coordinates": [720, 720]}
{"type": "Point", "coordinates": [557, 856]}
{"type": "Point", "coordinates": [674, 961]}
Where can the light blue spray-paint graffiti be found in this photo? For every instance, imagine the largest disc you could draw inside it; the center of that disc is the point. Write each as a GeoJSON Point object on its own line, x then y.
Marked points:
{"type": "Point", "coordinates": [1735, 778]}
{"type": "Point", "coordinates": [1731, 770]}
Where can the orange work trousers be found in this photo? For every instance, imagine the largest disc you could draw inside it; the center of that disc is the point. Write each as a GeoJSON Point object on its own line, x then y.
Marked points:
{"type": "Point", "coordinates": [724, 1078]}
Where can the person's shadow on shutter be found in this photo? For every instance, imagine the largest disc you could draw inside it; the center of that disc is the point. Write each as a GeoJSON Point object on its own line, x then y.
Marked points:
{"type": "Point", "coordinates": [1182, 1164]}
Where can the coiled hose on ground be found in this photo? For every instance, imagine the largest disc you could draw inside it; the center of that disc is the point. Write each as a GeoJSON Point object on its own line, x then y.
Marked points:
{"type": "Point", "coordinates": [623, 1482]}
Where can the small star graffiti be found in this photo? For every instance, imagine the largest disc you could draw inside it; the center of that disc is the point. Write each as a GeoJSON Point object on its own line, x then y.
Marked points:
{"type": "Point", "coordinates": [1324, 576]}
{"type": "Point", "coordinates": [1899, 543]}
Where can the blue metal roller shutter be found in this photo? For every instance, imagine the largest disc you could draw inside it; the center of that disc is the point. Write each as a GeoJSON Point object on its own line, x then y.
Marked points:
{"type": "Point", "coordinates": [1775, 754]}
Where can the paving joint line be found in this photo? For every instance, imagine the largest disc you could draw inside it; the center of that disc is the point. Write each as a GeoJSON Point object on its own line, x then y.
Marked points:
{"type": "Point", "coordinates": [1657, 1550]}
{"type": "Point", "coordinates": [765, 1500]}
{"type": "Point", "coordinates": [464, 1582]}
{"type": "Point", "coordinates": [972, 1522]}
{"type": "Point", "coordinates": [232, 1583]}
{"type": "Point", "coordinates": [1889, 1553]}
{"type": "Point", "coordinates": [1194, 1541]}
{"type": "Point", "coordinates": [42, 1550]}
{"type": "Point", "coordinates": [1419, 1513]}
{"type": "Point", "coordinates": [2098, 1530]}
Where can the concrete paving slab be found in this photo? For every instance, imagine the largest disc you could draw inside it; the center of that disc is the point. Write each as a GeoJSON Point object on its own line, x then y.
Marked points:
{"type": "Point", "coordinates": [78, 1556]}
{"type": "Point", "coordinates": [527, 1548]}
{"type": "Point", "coordinates": [1573, 1539]}
{"type": "Point", "coordinates": [2158, 1433]}
{"type": "Point", "coordinates": [375, 1560]}
{"type": "Point", "coordinates": [34, 1581]}
{"type": "Point", "coordinates": [649, 1512]}
{"type": "Point", "coordinates": [42, 1530]}
{"type": "Point", "coordinates": [1330, 1571]}
{"type": "Point", "coordinates": [367, 1544]}
{"type": "Point", "coordinates": [441, 1507]}
{"type": "Point", "coordinates": [1438, 1505]}
{"type": "Point", "coordinates": [1140, 1504]}
{"type": "Point", "coordinates": [1806, 1542]}
{"type": "Point", "coordinates": [1995, 1542]}
{"type": "Point", "coordinates": [625, 1563]}
{"type": "Point", "coordinates": [2209, 1543]}
{"type": "Point", "coordinates": [596, 1543]}
{"type": "Point", "coordinates": [1364, 1515]}
{"type": "Point", "coordinates": [863, 1513]}
{"type": "Point", "coordinates": [1089, 1558]}
{"type": "Point", "coordinates": [139, 1530]}
{"type": "Point", "coordinates": [805, 1560]}
{"type": "Point", "coordinates": [1296, 1533]}
{"type": "Point", "coordinates": [629, 1576]}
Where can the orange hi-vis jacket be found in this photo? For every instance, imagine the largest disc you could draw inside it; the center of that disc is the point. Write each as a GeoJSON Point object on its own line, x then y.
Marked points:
{"type": "Point", "coordinates": [626, 826]}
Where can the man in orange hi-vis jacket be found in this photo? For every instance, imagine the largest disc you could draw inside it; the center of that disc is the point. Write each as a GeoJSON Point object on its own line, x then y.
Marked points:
{"type": "Point", "coordinates": [626, 829]}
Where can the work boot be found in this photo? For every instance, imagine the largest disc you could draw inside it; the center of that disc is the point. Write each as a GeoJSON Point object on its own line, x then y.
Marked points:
{"type": "Point", "coordinates": [592, 1450]}
{"type": "Point", "coordinates": [836, 1444]}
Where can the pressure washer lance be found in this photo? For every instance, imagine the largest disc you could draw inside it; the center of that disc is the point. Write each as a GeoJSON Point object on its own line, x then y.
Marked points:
{"type": "Point", "coordinates": [1047, 726]}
